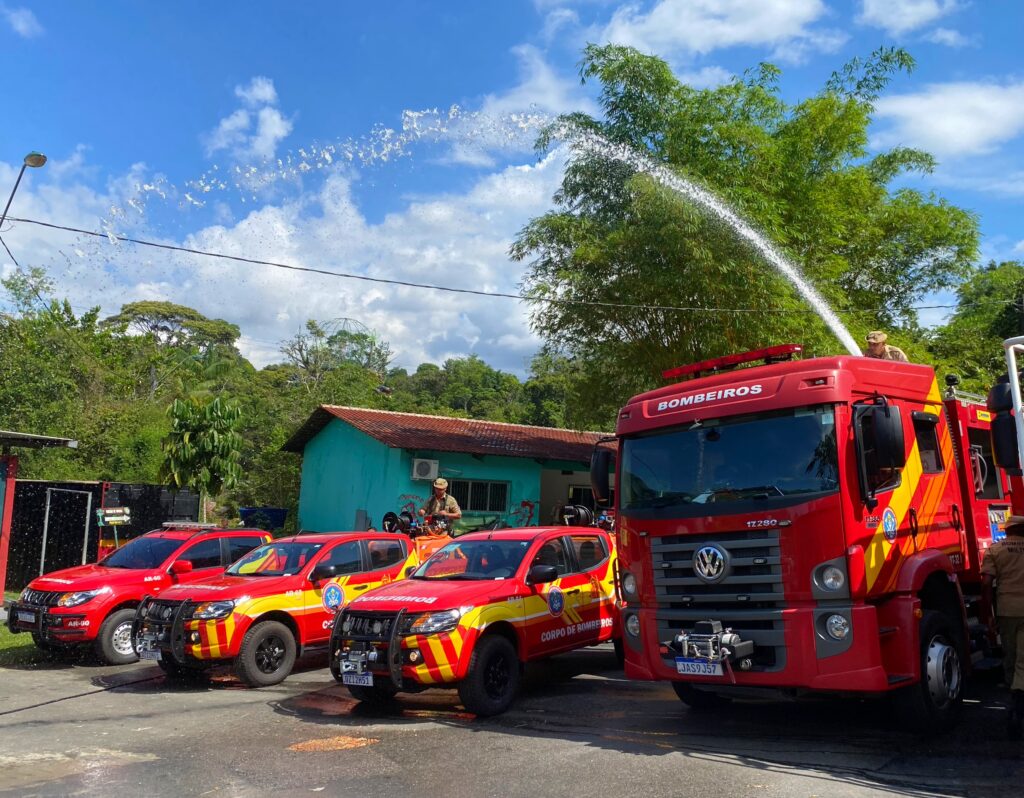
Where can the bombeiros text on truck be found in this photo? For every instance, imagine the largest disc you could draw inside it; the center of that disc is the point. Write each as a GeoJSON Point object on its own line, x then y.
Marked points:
{"type": "Point", "coordinates": [809, 526]}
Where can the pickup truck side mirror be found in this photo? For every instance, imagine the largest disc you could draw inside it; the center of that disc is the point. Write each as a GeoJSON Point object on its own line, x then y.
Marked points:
{"type": "Point", "coordinates": [181, 566]}
{"type": "Point", "coordinates": [323, 571]}
{"type": "Point", "coordinates": [410, 570]}
{"type": "Point", "coordinates": [600, 463]}
{"type": "Point", "coordinates": [541, 574]}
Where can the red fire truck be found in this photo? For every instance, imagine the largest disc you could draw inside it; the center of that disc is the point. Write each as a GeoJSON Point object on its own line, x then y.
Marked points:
{"type": "Point", "coordinates": [806, 525]}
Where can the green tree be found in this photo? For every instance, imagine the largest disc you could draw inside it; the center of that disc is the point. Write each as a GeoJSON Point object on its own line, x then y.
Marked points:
{"type": "Point", "coordinates": [202, 449]}
{"type": "Point", "coordinates": [800, 172]}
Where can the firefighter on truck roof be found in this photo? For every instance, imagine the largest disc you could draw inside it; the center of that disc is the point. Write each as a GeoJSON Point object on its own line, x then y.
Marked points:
{"type": "Point", "coordinates": [1004, 565]}
{"type": "Point", "coordinates": [878, 348]}
{"type": "Point", "coordinates": [441, 503]}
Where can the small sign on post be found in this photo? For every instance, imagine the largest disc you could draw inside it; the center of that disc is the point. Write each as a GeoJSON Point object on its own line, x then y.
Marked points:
{"type": "Point", "coordinates": [114, 516]}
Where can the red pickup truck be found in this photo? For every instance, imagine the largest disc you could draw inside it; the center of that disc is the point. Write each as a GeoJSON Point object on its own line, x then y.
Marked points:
{"type": "Point", "coordinates": [96, 603]}
{"type": "Point", "coordinates": [273, 603]}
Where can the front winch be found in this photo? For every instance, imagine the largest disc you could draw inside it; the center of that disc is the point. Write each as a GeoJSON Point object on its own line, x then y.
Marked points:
{"type": "Point", "coordinates": [702, 651]}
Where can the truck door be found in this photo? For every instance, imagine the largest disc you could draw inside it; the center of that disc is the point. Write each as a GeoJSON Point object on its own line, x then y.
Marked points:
{"type": "Point", "coordinates": [207, 560]}
{"type": "Point", "coordinates": [558, 614]}
{"type": "Point", "coordinates": [593, 564]}
{"type": "Point", "coordinates": [323, 598]}
{"type": "Point", "coordinates": [931, 515]}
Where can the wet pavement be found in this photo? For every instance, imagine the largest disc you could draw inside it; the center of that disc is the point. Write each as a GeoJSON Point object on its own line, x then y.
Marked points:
{"type": "Point", "coordinates": [71, 728]}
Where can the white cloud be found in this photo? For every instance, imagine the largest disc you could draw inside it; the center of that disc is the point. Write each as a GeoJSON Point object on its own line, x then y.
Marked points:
{"type": "Point", "coordinates": [706, 77]}
{"type": "Point", "coordinates": [22, 21]}
{"type": "Point", "coordinates": [557, 20]}
{"type": "Point", "coordinates": [953, 119]}
{"type": "Point", "coordinates": [254, 131]}
{"type": "Point", "coordinates": [901, 16]}
{"type": "Point", "coordinates": [949, 38]}
{"type": "Point", "coordinates": [1018, 247]}
{"type": "Point", "coordinates": [697, 27]}
{"type": "Point", "coordinates": [540, 88]}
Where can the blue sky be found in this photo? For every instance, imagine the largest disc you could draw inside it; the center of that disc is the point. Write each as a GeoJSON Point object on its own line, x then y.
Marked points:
{"type": "Point", "coordinates": [141, 107]}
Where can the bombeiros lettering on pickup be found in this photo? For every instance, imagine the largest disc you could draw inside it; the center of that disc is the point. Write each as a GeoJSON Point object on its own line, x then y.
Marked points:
{"type": "Point", "coordinates": [410, 599]}
{"type": "Point", "coordinates": [710, 396]}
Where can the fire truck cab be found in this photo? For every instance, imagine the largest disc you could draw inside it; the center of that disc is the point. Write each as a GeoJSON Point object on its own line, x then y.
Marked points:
{"type": "Point", "coordinates": [811, 525]}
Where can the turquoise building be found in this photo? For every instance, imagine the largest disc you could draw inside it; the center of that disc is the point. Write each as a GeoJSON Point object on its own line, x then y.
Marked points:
{"type": "Point", "coordinates": [359, 463]}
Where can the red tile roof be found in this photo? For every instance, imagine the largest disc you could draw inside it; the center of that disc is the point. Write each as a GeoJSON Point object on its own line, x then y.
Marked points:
{"type": "Point", "coordinates": [444, 434]}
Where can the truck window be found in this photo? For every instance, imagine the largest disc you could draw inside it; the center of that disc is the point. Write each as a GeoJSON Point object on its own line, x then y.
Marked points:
{"type": "Point", "coordinates": [239, 547]}
{"type": "Point", "coordinates": [205, 554]}
{"type": "Point", "coordinates": [589, 550]}
{"type": "Point", "coordinates": [928, 443]}
{"type": "Point", "coordinates": [347, 557]}
{"type": "Point", "coordinates": [384, 553]}
{"type": "Point", "coordinates": [552, 553]}
{"type": "Point", "coordinates": [879, 479]}
{"type": "Point", "coordinates": [987, 484]}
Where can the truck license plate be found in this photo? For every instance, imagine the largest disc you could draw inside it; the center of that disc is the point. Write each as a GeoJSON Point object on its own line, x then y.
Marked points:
{"type": "Point", "coordinates": [150, 653]}
{"type": "Point", "coordinates": [698, 667]}
{"type": "Point", "coordinates": [26, 617]}
{"type": "Point", "coordinates": [357, 679]}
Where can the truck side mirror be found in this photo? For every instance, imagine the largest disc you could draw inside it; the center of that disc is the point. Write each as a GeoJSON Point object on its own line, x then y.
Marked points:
{"type": "Point", "coordinates": [1004, 427]}
{"type": "Point", "coordinates": [323, 571]}
{"type": "Point", "coordinates": [600, 462]}
{"type": "Point", "coordinates": [541, 574]}
{"type": "Point", "coordinates": [181, 566]}
{"type": "Point", "coordinates": [410, 571]}
{"type": "Point", "coordinates": [890, 447]}
{"type": "Point", "coordinates": [881, 448]}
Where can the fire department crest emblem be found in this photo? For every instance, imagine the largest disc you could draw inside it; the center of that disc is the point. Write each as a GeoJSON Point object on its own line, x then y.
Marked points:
{"type": "Point", "coordinates": [889, 524]}
{"type": "Point", "coordinates": [333, 597]}
{"type": "Point", "coordinates": [556, 601]}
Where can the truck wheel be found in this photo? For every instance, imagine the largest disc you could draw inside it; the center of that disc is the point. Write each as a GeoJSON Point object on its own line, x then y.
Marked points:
{"type": "Point", "coordinates": [176, 672]}
{"type": "Point", "coordinates": [698, 699]}
{"type": "Point", "coordinates": [267, 654]}
{"type": "Point", "coordinates": [381, 693]}
{"type": "Point", "coordinates": [934, 704]}
{"type": "Point", "coordinates": [49, 646]}
{"type": "Point", "coordinates": [493, 677]}
{"type": "Point", "coordinates": [620, 651]}
{"type": "Point", "coordinates": [114, 642]}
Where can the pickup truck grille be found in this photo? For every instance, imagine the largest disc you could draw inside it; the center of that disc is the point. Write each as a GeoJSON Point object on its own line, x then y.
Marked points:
{"type": "Point", "coordinates": [42, 598]}
{"type": "Point", "coordinates": [368, 625]}
{"type": "Point", "coordinates": [749, 599]}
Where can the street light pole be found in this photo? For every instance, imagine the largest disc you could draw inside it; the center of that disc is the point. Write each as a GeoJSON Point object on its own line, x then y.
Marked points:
{"type": "Point", "coordinates": [33, 159]}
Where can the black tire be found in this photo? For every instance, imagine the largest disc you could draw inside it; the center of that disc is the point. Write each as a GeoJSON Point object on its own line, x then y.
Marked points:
{"type": "Point", "coordinates": [382, 692]}
{"type": "Point", "coordinates": [49, 646]}
{"type": "Point", "coordinates": [698, 699]}
{"type": "Point", "coordinates": [113, 644]}
{"type": "Point", "coordinates": [177, 672]}
{"type": "Point", "coordinates": [493, 677]}
{"type": "Point", "coordinates": [620, 651]}
{"type": "Point", "coordinates": [267, 654]}
{"type": "Point", "coordinates": [933, 705]}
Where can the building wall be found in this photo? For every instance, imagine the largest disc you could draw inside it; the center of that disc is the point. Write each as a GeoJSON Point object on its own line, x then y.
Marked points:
{"type": "Point", "coordinates": [345, 472]}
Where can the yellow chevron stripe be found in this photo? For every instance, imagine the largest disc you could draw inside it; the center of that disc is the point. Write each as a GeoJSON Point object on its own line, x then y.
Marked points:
{"type": "Point", "coordinates": [878, 549]}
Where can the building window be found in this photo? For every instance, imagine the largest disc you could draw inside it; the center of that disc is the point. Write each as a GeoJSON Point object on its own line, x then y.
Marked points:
{"type": "Point", "coordinates": [476, 496]}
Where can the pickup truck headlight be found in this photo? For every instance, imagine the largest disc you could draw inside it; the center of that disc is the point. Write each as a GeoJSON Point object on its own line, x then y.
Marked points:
{"type": "Point", "coordinates": [213, 610]}
{"type": "Point", "coordinates": [79, 597]}
{"type": "Point", "coordinates": [433, 622]}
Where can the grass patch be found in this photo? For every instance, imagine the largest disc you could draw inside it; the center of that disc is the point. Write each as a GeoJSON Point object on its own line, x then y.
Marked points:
{"type": "Point", "coordinates": [18, 649]}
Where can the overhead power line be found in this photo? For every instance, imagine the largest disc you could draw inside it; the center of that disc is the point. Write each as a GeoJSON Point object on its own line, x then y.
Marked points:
{"type": "Point", "coordinates": [448, 289]}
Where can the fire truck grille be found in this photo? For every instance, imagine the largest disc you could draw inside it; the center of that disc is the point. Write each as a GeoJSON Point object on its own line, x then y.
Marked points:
{"type": "Point", "coordinates": [42, 598]}
{"type": "Point", "coordinates": [369, 625]}
{"type": "Point", "coordinates": [748, 598]}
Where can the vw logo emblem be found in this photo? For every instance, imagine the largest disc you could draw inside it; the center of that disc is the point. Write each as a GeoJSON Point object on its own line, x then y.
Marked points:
{"type": "Point", "coordinates": [710, 563]}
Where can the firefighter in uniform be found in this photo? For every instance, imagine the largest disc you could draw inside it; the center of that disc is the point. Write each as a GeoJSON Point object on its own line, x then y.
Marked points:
{"type": "Point", "coordinates": [441, 504]}
{"type": "Point", "coordinates": [878, 348]}
{"type": "Point", "coordinates": [1004, 566]}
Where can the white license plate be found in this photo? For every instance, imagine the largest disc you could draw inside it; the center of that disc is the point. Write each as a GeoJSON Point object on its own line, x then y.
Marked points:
{"type": "Point", "coordinates": [150, 653]}
{"type": "Point", "coordinates": [26, 617]}
{"type": "Point", "coordinates": [357, 679]}
{"type": "Point", "coordinates": [698, 667]}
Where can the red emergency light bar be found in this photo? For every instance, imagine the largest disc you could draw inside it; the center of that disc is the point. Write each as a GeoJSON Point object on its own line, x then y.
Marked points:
{"type": "Point", "coordinates": [772, 354]}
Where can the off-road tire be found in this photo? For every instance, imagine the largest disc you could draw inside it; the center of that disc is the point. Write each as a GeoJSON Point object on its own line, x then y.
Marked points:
{"type": "Point", "coordinates": [492, 681]}
{"type": "Point", "coordinates": [933, 705]}
{"type": "Point", "coordinates": [50, 647]}
{"type": "Point", "coordinates": [177, 672]}
{"type": "Point", "coordinates": [700, 700]}
{"type": "Point", "coordinates": [267, 654]}
{"type": "Point", "coordinates": [113, 644]}
{"type": "Point", "coordinates": [620, 651]}
{"type": "Point", "coordinates": [382, 692]}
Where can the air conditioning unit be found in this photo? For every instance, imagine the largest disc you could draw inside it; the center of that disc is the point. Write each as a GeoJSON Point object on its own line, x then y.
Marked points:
{"type": "Point", "coordinates": [424, 469]}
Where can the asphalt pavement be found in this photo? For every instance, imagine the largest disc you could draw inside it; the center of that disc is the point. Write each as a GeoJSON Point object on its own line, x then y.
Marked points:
{"type": "Point", "coordinates": [72, 728]}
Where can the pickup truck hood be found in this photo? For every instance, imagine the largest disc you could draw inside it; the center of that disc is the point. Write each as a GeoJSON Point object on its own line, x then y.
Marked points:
{"type": "Point", "coordinates": [223, 587]}
{"type": "Point", "coordinates": [432, 595]}
{"type": "Point", "coordinates": [90, 577]}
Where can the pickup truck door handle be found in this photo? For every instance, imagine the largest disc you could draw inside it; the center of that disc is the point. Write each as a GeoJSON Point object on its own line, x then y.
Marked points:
{"type": "Point", "coordinates": [359, 587]}
{"type": "Point", "coordinates": [573, 591]}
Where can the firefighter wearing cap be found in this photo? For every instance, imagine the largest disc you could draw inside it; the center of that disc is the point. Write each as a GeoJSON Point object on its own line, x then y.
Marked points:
{"type": "Point", "coordinates": [877, 347]}
{"type": "Point", "coordinates": [440, 503]}
{"type": "Point", "coordinates": [1004, 566]}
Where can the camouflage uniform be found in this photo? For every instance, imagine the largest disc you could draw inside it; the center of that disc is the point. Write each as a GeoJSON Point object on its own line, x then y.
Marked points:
{"type": "Point", "coordinates": [445, 504]}
{"type": "Point", "coordinates": [891, 353]}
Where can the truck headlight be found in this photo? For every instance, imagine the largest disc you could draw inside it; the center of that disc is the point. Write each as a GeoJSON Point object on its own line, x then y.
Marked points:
{"type": "Point", "coordinates": [633, 625]}
{"type": "Point", "coordinates": [433, 622]}
{"type": "Point", "coordinates": [628, 585]}
{"type": "Point", "coordinates": [212, 610]}
{"type": "Point", "coordinates": [79, 597]}
{"type": "Point", "coordinates": [837, 626]}
{"type": "Point", "coordinates": [833, 578]}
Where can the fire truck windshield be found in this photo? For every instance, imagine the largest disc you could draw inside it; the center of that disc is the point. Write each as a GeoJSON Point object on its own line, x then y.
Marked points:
{"type": "Point", "coordinates": [144, 552]}
{"type": "Point", "coordinates": [731, 465]}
